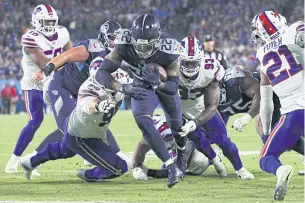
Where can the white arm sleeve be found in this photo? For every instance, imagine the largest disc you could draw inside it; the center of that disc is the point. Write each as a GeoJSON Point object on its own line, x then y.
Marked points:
{"type": "Point", "coordinates": [266, 108]}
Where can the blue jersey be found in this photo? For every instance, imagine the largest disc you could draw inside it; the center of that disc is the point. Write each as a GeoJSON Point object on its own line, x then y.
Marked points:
{"type": "Point", "coordinates": [73, 74]}
{"type": "Point", "coordinates": [165, 55]}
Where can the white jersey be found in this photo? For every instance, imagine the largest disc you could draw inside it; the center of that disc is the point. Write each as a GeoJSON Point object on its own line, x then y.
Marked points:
{"type": "Point", "coordinates": [51, 46]}
{"type": "Point", "coordinates": [192, 91]}
{"type": "Point", "coordinates": [282, 61]}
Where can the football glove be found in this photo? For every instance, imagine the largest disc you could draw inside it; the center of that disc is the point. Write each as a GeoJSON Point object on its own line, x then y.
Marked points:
{"type": "Point", "coordinates": [151, 76]}
{"type": "Point", "coordinates": [105, 106]}
{"type": "Point", "coordinates": [134, 90]}
{"type": "Point", "coordinates": [241, 122]}
{"type": "Point", "coordinates": [139, 174]}
{"type": "Point", "coordinates": [188, 127]}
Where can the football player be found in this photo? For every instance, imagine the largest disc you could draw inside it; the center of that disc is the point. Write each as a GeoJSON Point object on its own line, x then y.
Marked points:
{"type": "Point", "coordinates": [72, 69]}
{"type": "Point", "coordinates": [144, 44]}
{"type": "Point", "coordinates": [197, 161]}
{"type": "Point", "coordinates": [87, 133]}
{"type": "Point", "coordinates": [199, 92]}
{"type": "Point", "coordinates": [39, 45]}
{"type": "Point", "coordinates": [282, 71]}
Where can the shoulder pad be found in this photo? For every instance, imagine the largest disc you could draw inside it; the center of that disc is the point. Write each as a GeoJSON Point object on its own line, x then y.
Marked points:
{"type": "Point", "coordinates": [63, 34]}
{"type": "Point", "coordinates": [124, 37]}
{"type": "Point", "coordinates": [30, 38]}
{"type": "Point", "coordinates": [234, 72]}
{"type": "Point", "coordinates": [169, 46]}
{"type": "Point", "coordinates": [95, 45]}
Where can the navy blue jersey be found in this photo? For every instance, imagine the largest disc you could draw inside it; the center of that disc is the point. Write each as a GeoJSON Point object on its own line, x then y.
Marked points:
{"type": "Point", "coordinates": [75, 73]}
{"type": "Point", "coordinates": [232, 99]}
{"type": "Point", "coordinates": [166, 54]}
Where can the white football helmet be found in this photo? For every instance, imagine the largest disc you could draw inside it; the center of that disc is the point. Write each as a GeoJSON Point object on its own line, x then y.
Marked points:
{"type": "Point", "coordinates": [191, 55]}
{"type": "Point", "coordinates": [45, 19]}
{"type": "Point", "coordinates": [270, 25]}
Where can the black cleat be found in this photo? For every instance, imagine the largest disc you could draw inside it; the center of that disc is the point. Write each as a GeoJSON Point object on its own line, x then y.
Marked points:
{"type": "Point", "coordinates": [81, 173]}
{"type": "Point", "coordinates": [174, 174]}
{"type": "Point", "coordinates": [181, 160]}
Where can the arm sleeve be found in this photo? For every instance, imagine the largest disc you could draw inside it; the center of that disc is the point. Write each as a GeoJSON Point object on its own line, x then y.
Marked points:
{"type": "Point", "coordinates": [266, 108]}
{"type": "Point", "coordinates": [171, 85]}
{"type": "Point", "coordinates": [103, 75]}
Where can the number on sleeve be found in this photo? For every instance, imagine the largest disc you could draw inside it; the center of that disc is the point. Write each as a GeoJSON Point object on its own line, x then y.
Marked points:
{"type": "Point", "coordinates": [271, 72]}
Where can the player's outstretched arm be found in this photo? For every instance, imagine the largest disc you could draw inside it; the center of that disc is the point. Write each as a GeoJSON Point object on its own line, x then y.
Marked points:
{"type": "Point", "coordinates": [37, 56]}
{"type": "Point", "coordinates": [266, 104]}
{"type": "Point", "coordinates": [172, 84]}
{"type": "Point", "coordinates": [76, 54]}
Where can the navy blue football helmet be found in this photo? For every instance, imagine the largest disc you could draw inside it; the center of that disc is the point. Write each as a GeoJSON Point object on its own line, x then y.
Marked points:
{"type": "Point", "coordinates": [145, 35]}
{"type": "Point", "coordinates": [108, 32]}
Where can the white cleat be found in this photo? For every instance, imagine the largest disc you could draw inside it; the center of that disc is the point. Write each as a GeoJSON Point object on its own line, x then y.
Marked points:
{"type": "Point", "coordinates": [35, 173]}
{"type": "Point", "coordinates": [220, 167]}
{"type": "Point", "coordinates": [87, 163]}
{"type": "Point", "coordinates": [25, 163]}
{"type": "Point", "coordinates": [243, 174]}
{"type": "Point", "coordinates": [12, 164]}
{"type": "Point", "coordinates": [283, 173]}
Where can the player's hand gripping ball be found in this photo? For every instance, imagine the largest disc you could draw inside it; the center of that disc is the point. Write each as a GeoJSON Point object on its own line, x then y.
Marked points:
{"type": "Point", "coordinates": [153, 74]}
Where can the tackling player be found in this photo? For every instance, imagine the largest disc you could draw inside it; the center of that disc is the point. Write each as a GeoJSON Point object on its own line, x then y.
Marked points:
{"type": "Point", "coordinates": [38, 46]}
{"type": "Point", "coordinates": [282, 71]}
{"type": "Point", "coordinates": [72, 70]}
{"type": "Point", "coordinates": [197, 161]}
{"type": "Point", "coordinates": [87, 133]}
{"type": "Point", "coordinates": [144, 44]}
{"type": "Point", "coordinates": [199, 92]}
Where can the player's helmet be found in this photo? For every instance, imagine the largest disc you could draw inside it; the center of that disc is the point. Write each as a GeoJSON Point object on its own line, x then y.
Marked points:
{"type": "Point", "coordinates": [108, 32]}
{"type": "Point", "coordinates": [45, 19]}
{"type": "Point", "coordinates": [254, 33]}
{"type": "Point", "coordinates": [191, 55]}
{"type": "Point", "coordinates": [270, 25]}
{"type": "Point", "coordinates": [145, 35]}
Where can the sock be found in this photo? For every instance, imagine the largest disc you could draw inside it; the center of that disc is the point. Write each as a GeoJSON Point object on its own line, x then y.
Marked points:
{"type": "Point", "coordinates": [153, 138]}
{"type": "Point", "coordinates": [270, 164]}
{"type": "Point", "coordinates": [55, 136]}
{"type": "Point", "coordinates": [26, 136]}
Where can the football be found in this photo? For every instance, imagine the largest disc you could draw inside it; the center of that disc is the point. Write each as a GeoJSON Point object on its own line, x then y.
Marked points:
{"type": "Point", "coordinates": [163, 74]}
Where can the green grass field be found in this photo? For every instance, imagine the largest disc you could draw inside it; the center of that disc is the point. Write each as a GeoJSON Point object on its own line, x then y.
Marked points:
{"type": "Point", "coordinates": [58, 180]}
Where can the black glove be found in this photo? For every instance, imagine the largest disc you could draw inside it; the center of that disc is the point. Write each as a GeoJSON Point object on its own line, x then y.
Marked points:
{"type": "Point", "coordinates": [134, 90]}
{"type": "Point", "coordinates": [151, 76]}
{"type": "Point", "coordinates": [48, 69]}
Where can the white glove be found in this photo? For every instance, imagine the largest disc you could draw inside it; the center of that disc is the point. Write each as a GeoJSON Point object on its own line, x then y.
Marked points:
{"type": "Point", "coordinates": [139, 174]}
{"type": "Point", "coordinates": [299, 39]}
{"type": "Point", "coordinates": [241, 122]}
{"type": "Point", "coordinates": [188, 127]}
{"type": "Point", "coordinates": [105, 106]}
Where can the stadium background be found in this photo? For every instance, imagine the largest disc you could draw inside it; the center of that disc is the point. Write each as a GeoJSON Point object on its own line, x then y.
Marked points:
{"type": "Point", "coordinates": [228, 20]}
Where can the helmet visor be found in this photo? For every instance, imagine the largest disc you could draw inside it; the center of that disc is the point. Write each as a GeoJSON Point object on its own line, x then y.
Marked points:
{"type": "Point", "coordinates": [145, 49]}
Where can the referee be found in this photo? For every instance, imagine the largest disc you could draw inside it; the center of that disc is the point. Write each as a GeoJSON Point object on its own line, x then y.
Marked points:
{"type": "Point", "coordinates": [209, 51]}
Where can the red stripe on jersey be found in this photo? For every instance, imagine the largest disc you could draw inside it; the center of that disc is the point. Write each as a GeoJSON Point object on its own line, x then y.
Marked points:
{"type": "Point", "coordinates": [191, 46]}
{"type": "Point", "coordinates": [28, 39]}
{"type": "Point", "coordinates": [49, 9]}
{"type": "Point", "coordinates": [163, 127]}
{"type": "Point", "coordinates": [28, 44]}
{"type": "Point", "coordinates": [268, 25]}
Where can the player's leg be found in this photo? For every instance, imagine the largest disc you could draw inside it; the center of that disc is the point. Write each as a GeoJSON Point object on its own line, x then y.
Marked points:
{"type": "Point", "coordinates": [143, 111]}
{"type": "Point", "coordinates": [172, 107]}
{"type": "Point", "coordinates": [217, 132]}
{"type": "Point", "coordinates": [34, 105]}
{"type": "Point", "coordinates": [101, 154]}
{"type": "Point", "coordinates": [283, 136]}
{"type": "Point", "coordinates": [62, 103]}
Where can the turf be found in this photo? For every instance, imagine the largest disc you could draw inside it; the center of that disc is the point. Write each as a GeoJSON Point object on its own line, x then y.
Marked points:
{"type": "Point", "coordinates": [58, 180]}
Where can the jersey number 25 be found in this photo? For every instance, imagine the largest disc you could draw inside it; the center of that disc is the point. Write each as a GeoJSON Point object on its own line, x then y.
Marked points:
{"type": "Point", "coordinates": [277, 64]}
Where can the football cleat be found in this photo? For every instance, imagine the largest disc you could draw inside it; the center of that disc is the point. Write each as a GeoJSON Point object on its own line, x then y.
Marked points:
{"type": "Point", "coordinates": [220, 167]}
{"type": "Point", "coordinates": [81, 173]}
{"type": "Point", "coordinates": [243, 174]}
{"type": "Point", "coordinates": [12, 164]}
{"type": "Point", "coordinates": [174, 174]}
{"type": "Point", "coordinates": [25, 163]}
{"type": "Point", "coordinates": [283, 173]}
{"type": "Point", "coordinates": [181, 160]}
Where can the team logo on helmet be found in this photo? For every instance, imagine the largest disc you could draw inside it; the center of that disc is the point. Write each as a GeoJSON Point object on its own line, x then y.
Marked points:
{"type": "Point", "coordinates": [37, 10]}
